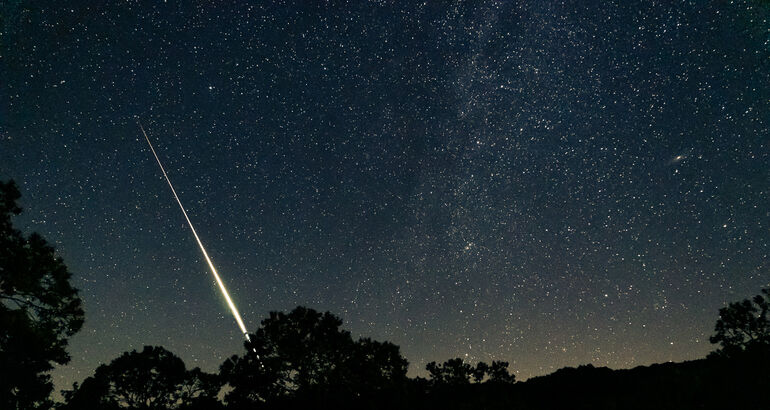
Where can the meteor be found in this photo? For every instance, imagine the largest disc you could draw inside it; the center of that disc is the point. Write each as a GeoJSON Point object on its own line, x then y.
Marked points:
{"type": "Point", "coordinates": [200, 244]}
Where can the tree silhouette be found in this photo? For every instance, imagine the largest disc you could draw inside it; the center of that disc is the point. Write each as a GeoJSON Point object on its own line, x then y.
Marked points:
{"type": "Point", "coordinates": [375, 366]}
{"type": "Point", "coordinates": [39, 311]}
{"type": "Point", "coordinates": [451, 372]}
{"type": "Point", "coordinates": [743, 325]}
{"type": "Point", "coordinates": [151, 379]}
{"type": "Point", "coordinates": [498, 373]}
{"type": "Point", "coordinates": [305, 356]}
{"type": "Point", "coordinates": [455, 372]}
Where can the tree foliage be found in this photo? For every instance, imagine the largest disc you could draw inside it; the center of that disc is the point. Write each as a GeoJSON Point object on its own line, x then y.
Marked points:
{"type": "Point", "coordinates": [151, 379]}
{"type": "Point", "coordinates": [743, 325]}
{"type": "Point", "coordinates": [455, 372]}
{"type": "Point", "coordinates": [39, 311]}
{"type": "Point", "coordinates": [452, 372]}
{"type": "Point", "coordinates": [305, 356]}
{"type": "Point", "coordinates": [498, 373]}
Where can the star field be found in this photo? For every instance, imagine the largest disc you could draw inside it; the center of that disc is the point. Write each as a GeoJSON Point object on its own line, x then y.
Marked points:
{"type": "Point", "coordinates": [547, 183]}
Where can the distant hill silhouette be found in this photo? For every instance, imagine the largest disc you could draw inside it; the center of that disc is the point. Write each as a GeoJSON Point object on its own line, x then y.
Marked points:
{"type": "Point", "coordinates": [742, 381]}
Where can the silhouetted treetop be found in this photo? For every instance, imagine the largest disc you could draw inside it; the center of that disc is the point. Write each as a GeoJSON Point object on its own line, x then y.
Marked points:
{"type": "Point", "coordinates": [151, 379]}
{"type": "Point", "coordinates": [452, 371]}
{"type": "Point", "coordinates": [39, 311]}
{"type": "Point", "coordinates": [457, 372]}
{"type": "Point", "coordinates": [743, 325]}
{"type": "Point", "coordinates": [498, 373]}
{"type": "Point", "coordinates": [305, 355]}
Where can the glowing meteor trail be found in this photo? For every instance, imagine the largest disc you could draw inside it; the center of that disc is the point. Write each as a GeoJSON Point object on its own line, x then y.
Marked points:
{"type": "Point", "coordinates": [200, 244]}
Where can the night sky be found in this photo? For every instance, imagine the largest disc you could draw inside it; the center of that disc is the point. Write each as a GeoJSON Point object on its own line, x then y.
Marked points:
{"type": "Point", "coordinates": [547, 183]}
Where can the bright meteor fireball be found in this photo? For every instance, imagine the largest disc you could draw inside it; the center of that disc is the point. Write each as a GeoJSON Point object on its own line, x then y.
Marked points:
{"type": "Point", "coordinates": [200, 244]}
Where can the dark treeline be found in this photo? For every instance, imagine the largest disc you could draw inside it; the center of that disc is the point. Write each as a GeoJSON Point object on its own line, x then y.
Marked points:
{"type": "Point", "coordinates": [305, 359]}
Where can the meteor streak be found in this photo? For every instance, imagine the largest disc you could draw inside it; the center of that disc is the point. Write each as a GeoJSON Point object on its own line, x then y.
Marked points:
{"type": "Point", "coordinates": [200, 244]}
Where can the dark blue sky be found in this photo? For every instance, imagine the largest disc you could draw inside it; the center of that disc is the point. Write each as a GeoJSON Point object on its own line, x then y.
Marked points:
{"type": "Point", "coordinates": [545, 183]}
